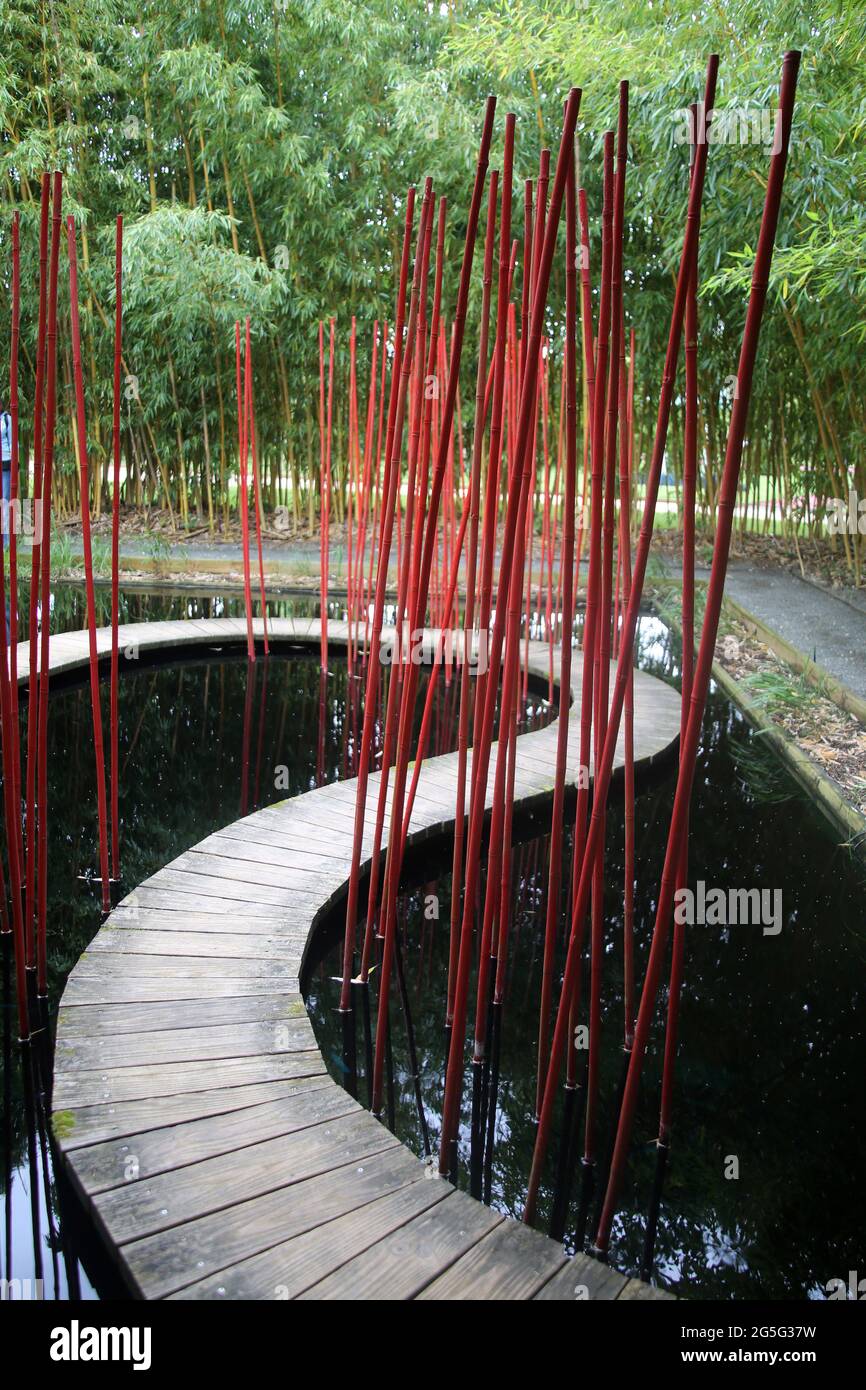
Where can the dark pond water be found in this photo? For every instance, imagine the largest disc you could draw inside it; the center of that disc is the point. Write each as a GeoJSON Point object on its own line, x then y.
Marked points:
{"type": "Point", "coordinates": [200, 744]}
{"type": "Point", "coordinates": [771, 1058]}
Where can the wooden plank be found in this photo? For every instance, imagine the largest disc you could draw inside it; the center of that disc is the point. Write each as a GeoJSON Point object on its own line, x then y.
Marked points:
{"type": "Point", "coordinates": [636, 1289]}
{"type": "Point", "coordinates": [115, 987]}
{"type": "Point", "coordinates": [80, 1053]}
{"type": "Point", "coordinates": [402, 1264]}
{"type": "Point", "coordinates": [89, 1021]}
{"type": "Point", "coordinates": [183, 1255]}
{"type": "Point", "coordinates": [140, 1208]}
{"type": "Point", "coordinates": [113, 1164]}
{"type": "Point", "coordinates": [73, 1089]}
{"type": "Point", "coordinates": [134, 941]}
{"type": "Point", "coordinates": [512, 1262]}
{"type": "Point", "coordinates": [583, 1279]}
{"type": "Point", "coordinates": [91, 1124]}
{"type": "Point", "coordinates": [287, 1270]}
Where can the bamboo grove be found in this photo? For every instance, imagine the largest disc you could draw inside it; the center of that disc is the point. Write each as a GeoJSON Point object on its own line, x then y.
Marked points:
{"type": "Point", "coordinates": [259, 155]}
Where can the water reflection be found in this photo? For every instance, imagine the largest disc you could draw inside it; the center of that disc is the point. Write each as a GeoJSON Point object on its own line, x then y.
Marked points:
{"type": "Point", "coordinates": [770, 1070]}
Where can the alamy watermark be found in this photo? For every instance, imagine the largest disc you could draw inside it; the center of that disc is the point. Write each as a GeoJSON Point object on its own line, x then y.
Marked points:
{"type": "Point", "coordinates": [22, 517]}
{"type": "Point", "coordinates": [846, 515]}
{"type": "Point", "coordinates": [424, 646]}
{"type": "Point", "coordinates": [731, 907]}
{"type": "Point", "coordinates": [731, 125]}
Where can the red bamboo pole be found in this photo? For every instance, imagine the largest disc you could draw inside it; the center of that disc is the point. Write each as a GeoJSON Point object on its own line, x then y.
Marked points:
{"type": "Point", "coordinates": [368, 587]}
{"type": "Point", "coordinates": [84, 475]}
{"type": "Point", "coordinates": [709, 632]}
{"type": "Point", "coordinates": [257, 492]}
{"type": "Point", "coordinates": [13, 533]}
{"type": "Point", "coordinates": [243, 439]}
{"type": "Point", "coordinates": [115, 547]}
{"type": "Point", "coordinates": [350, 481]}
{"type": "Point", "coordinates": [48, 459]}
{"type": "Point", "coordinates": [42, 509]}
{"type": "Point", "coordinates": [506, 745]}
{"type": "Point", "coordinates": [9, 731]}
{"type": "Point", "coordinates": [405, 576]}
{"type": "Point", "coordinates": [604, 765]}
{"type": "Point", "coordinates": [367, 483]}
{"type": "Point", "coordinates": [396, 408]}
{"type": "Point", "coordinates": [430, 540]}
{"type": "Point", "coordinates": [488, 547]}
{"type": "Point", "coordinates": [625, 390]}
{"type": "Point", "coordinates": [554, 875]}
{"type": "Point", "coordinates": [592, 454]}
{"type": "Point", "coordinates": [326, 496]}
{"type": "Point", "coordinates": [690, 461]}
{"type": "Point", "coordinates": [515, 513]}
{"type": "Point", "coordinates": [604, 634]}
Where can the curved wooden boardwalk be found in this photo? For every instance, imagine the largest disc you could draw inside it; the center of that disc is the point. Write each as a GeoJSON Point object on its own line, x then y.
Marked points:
{"type": "Point", "coordinates": [192, 1106]}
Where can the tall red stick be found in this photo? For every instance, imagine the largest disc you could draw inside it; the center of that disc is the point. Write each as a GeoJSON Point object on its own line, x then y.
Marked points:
{"type": "Point", "coordinates": [115, 546]}
{"type": "Point", "coordinates": [42, 512]}
{"type": "Point", "coordinates": [84, 475]}
{"type": "Point", "coordinates": [604, 764]}
{"type": "Point", "coordinates": [48, 460]}
{"type": "Point", "coordinates": [709, 632]}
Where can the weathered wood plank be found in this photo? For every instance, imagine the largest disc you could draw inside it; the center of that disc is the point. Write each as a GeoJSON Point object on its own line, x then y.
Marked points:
{"type": "Point", "coordinates": [141, 1208]}
{"type": "Point", "coordinates": [511, 1262]}
{"type": "Point", "coordinates": [582, 1279]}
{"type": "Point", "coordinates": [183, 1255]}
{"type": "Point", "coordinates": [113, 1164]}
{"type": "Point", "coordinates": [403, 1263]}
{"type": "Point", "coordinates": [91, 1124]}
{"type": "Point", "coordinates": [113, 1019]}
{"type": "Point", "coordinates": [287, 1270]}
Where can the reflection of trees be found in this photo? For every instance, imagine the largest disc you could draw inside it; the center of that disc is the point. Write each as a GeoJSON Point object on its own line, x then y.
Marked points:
{"type": "Point", "coordinates": [771, 1035]}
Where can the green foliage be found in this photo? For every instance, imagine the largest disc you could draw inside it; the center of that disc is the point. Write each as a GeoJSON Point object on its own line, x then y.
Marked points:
{"type": "Point", "coordinates": [260, 154]}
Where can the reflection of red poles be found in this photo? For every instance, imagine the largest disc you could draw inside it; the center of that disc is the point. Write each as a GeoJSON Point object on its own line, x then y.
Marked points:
{"type": "Point", "coordinates": [35, 568]}
{"type": "Point", "coordinates": [48, 460]}
{"type": "Point", "coordinates": [115, 544]}
{"type": "Point", "coordinates": [257, 492]}
{"type": "Point", "coordinates": [88, 563]}
{"type": "Point", "coordinates": [709, 632]}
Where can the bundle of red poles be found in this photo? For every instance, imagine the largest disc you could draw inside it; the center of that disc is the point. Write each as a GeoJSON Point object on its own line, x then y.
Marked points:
{"type": "Point", "coordinates": [513, 476]}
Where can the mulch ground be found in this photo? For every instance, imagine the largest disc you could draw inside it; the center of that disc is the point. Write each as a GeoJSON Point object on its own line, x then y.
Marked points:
{"type": "Point", "coordinates": [834, 739]}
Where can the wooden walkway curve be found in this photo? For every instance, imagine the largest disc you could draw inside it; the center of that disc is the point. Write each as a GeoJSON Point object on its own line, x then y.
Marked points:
{"type": "Point", "coordinates": [192, 1106]}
